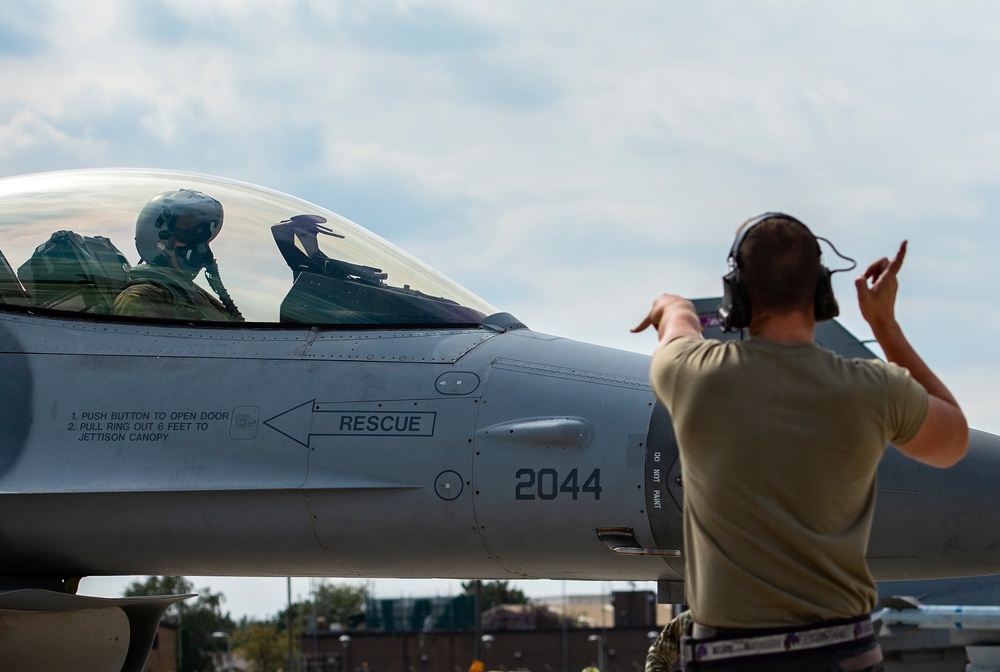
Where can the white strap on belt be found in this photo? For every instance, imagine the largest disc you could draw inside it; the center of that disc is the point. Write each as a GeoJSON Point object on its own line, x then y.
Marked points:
{"type": "Point", "coordinates": [723, 649]}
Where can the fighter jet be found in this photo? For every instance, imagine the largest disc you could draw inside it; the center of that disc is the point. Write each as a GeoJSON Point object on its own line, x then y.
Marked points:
{"type": "Point", "coordinates": [972, 627]}
{"type": "Point", "coordinates": [343, 410]}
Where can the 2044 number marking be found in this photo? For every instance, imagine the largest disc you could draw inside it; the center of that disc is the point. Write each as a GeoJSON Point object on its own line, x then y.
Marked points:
{"type": "Point", "coordinates": [546, 484]}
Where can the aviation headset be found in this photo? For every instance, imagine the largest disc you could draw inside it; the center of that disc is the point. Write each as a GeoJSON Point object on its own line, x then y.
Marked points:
{"type": "Point", "coordinates": [735, 310]}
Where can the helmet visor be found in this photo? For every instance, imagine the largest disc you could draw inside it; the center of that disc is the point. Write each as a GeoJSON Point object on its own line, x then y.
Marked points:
{"type": "Point", "coordinates": [190, 230]}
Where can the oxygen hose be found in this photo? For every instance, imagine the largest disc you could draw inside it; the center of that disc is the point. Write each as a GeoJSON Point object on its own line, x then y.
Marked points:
{"type": "Point", "coordinates": [215, 282]}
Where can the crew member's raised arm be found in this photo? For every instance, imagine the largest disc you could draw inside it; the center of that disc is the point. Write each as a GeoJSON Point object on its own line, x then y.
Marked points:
{"type": "Point", "coordinates": [673, 316]}
{"type": "Point", "coordinates": [943, 438]}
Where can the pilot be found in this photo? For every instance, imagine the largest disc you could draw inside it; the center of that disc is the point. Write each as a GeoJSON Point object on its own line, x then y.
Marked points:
{"type": "Point", "coordinates": [664, 654]}
{"type": "Point", "coordinates": [172, 234]}
{"type": "Point", "coordinates": [779, 442]}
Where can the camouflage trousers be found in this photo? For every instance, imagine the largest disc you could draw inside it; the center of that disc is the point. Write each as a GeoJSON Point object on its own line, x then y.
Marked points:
{"type": "Point", "coordinates": [665, 653]}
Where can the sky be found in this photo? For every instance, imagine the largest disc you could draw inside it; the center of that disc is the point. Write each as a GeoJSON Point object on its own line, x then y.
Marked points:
{"type": "Point", "coordinates": [568, 162]}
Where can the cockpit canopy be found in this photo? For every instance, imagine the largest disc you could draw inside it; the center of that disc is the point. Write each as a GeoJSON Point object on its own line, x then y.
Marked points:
{"type": "Point", "coordinates": [68, 243]}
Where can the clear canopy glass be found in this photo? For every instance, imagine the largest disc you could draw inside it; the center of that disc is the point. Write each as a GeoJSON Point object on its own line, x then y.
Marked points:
{"type": "Point", "coordinates": [282, 259]}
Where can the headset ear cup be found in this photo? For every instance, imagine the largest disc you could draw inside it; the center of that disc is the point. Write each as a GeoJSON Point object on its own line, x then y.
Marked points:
{"type": "Point", "coordinates": [826, 307]}
{"type": "Point", "coordinates": [734, 311]}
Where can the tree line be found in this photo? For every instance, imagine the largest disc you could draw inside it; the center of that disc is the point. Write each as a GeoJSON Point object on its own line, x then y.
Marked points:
{"type": "Point", "coordinates": [263, 643]}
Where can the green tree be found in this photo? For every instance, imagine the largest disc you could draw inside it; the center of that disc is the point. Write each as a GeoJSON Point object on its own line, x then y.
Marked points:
{"type": "Point", "coordinates": [197, 618]}
{"type": "Point", "coordinates": [263, 647]}
{"type": "Point", "coordinates": [496, 593]}
{"type": "Point", "coordinates": [327, 604]}
{"type": "Point", "coordinates": [162, 585]}
{"type": "Point", "coordinates": [340, 603]}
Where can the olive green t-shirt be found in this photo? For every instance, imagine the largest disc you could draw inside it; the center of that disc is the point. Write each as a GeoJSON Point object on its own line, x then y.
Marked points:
{"type": "Point", "coordinates": [779, 447]}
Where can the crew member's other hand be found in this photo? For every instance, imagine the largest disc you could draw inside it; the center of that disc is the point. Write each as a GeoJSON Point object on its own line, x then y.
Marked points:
{"type": "Point", "coordinates": [877, 289]}
{"type": "Point", "coordinates": [673, 316]}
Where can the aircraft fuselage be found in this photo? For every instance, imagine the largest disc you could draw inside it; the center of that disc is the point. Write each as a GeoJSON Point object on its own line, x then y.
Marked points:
{"type": "Point", "coordinates": [145, 449]}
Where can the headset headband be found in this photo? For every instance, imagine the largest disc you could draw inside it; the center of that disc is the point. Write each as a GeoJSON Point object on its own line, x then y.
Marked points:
{"type": "Point", "coordinates": [746, 226]}
{"type": "Point", "coordinates": [735, 310]}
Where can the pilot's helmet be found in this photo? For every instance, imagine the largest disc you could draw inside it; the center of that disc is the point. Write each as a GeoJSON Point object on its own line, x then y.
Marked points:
{"type": "Point", "coordinates": [178, 225]}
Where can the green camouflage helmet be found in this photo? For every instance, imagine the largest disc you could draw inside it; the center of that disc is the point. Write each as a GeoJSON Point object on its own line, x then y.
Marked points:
{"type": "Point", "coordinates": [157, 233]}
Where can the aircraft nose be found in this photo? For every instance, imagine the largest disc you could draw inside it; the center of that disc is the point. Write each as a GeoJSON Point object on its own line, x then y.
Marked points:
{"type": "Point", "coordinates": [15, 400]}
{"type": "Point", "coordinates": [664, 493]}
{"type": "Point", "coordinates": [936, 523]}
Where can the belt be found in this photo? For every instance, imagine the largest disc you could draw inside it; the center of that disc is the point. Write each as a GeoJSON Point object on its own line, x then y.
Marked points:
{"type": "Point", "coordinates": [784, 641]}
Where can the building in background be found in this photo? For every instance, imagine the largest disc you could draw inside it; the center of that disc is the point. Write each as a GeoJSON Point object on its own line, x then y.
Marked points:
{"type": "Point", "coordinates": [562, 634]}
{"type": "Point", "coordinates": [163, 656]}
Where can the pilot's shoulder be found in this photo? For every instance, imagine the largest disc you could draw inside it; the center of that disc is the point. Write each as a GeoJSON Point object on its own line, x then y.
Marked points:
{"type": "Point", "coordinates": [144, 273]}
{"type": "Point", "coordinates": [143, 299]}
{"type": "Point", "coordinates": [143, 290]}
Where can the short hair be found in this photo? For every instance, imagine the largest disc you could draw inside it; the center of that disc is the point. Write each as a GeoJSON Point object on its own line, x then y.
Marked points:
{"type": "Point", "coordinates": [779, 262]}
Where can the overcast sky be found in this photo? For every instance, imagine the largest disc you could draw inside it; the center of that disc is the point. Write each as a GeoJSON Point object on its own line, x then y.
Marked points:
{"type": "Point", "coordinates": [566, 161]}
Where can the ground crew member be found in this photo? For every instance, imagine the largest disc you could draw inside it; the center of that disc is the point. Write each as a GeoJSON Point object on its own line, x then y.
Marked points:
{"type": "Point", "coordinates": [779, 443]}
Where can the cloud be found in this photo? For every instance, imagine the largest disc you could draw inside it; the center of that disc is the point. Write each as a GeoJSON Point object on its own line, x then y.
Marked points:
{"type": "Point", "coordinates": [411, 28]}
{"type": "Point", "coordinates": [22, 30]}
